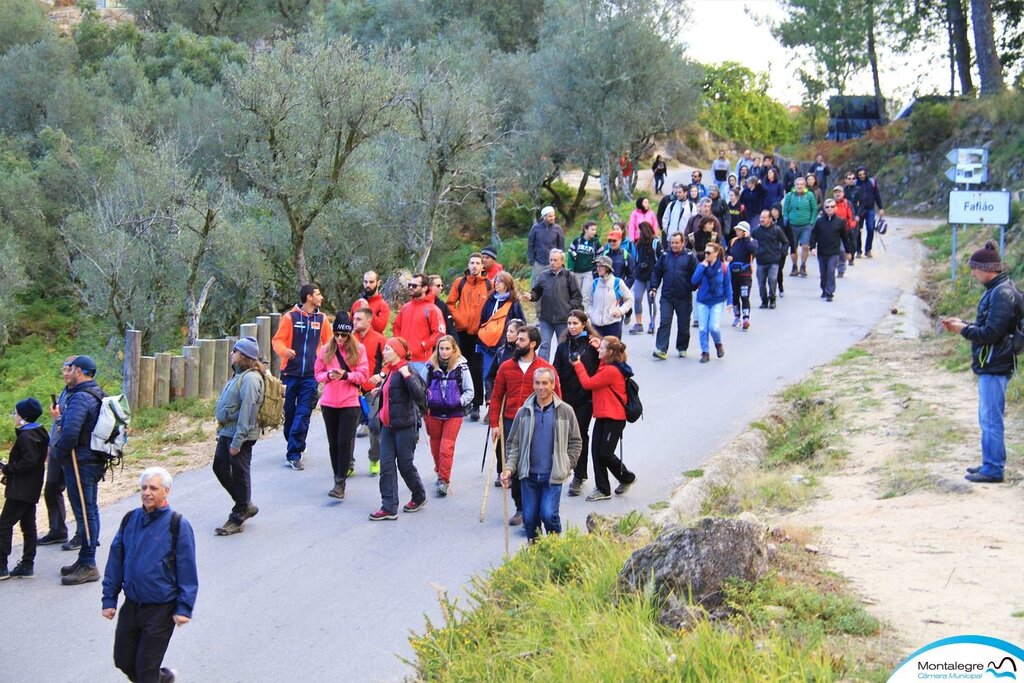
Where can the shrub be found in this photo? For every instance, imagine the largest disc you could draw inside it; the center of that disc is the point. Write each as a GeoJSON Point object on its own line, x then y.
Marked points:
{"type": "Point", "coordinates": [930, 125]}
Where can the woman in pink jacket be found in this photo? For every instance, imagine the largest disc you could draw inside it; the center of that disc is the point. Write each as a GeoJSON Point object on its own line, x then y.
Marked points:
{"type": "Point", "coordinates": [642, 214]}
{"type": "Point", "coordinates": [341, 367]}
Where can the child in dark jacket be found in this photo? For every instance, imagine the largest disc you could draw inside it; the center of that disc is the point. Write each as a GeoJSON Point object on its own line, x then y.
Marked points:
{"type": "Point", "coordinates": [23, 475]}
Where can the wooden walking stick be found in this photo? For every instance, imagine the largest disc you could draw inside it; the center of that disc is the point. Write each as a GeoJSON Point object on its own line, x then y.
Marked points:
{"type": "Point", "coordinates": [487, 490]}
{"type": "Point", "coordinates": [81, 497]}
{"type": "Point", "coordinates": [501, 464]}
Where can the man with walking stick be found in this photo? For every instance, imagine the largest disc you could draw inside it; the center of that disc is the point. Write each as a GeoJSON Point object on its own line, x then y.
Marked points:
{"type": "Point", "coordinates": [83, 468]}
{"type": "Point", "coordinates": [542, 448]}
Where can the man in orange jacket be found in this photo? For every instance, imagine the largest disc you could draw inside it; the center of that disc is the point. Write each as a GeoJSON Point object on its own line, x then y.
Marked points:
{"type": "Point", "coordinates": [466, 300]}
{"type": "Point", "coordinates": [419, 322]}
{"type": "Point", "coordinates": [301, 334]}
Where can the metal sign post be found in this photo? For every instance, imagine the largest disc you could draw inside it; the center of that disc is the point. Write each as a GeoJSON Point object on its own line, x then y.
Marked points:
{"type": "Point", "coordinates": [970, 167]}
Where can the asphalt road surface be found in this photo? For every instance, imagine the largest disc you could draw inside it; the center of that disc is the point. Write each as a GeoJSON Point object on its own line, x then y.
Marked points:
{"type": "Point", "coordinates": [313, 591]}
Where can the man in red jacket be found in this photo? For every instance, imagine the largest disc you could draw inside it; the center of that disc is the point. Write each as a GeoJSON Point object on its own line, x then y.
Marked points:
{"type": "Point", "coordinates": [420, 323]}
{"type": "Point", "coordinates": [373, 341]}
{"type": "Point", "coordinates": [371, 298]}
{"type": "Point", "coordinates": [513, 384]}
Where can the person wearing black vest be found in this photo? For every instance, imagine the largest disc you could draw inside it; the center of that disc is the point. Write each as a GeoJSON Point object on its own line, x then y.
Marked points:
{"type": "Point", "coordinates": [302, 333]}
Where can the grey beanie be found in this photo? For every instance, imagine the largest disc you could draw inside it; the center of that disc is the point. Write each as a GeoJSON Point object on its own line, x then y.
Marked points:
{"type": "Point", "coordinates": [248, 347]}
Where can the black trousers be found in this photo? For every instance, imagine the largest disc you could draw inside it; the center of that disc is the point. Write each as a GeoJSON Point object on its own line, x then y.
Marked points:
{"type": "Point", "coordinates": [517, 490]}
{"type": "Point", "coordinates": [467, 345]}
{"type": "Point", "coordinates": [53, 496]}
{"type": "Point", "coordinates": [141, 639]}
{"type": "Point", "coordinates": [584, 413]}
{"type": "Point", "coordinates": [18, 512]}
{"type": "Point", "coordinates": [233, 473]}
{"type": "Point", "coordinates": [607, 433]}
{"type": "Point", "coordinates": [341, 424]}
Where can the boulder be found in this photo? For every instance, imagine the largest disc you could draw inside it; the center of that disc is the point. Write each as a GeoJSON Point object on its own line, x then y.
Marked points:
{"type": "Point", "coordinates": [693, 562]}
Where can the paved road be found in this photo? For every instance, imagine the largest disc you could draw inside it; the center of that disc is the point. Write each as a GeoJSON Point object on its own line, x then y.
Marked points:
{"type": "Point", "coordinates": [312, 591]}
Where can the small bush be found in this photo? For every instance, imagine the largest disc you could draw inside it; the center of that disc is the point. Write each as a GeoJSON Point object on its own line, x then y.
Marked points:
{"type": "Point", "coordinates": [930, 125]}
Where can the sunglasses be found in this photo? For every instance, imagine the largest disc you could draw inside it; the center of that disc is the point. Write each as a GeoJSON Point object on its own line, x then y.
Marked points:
{"type": "Point", "coordinates": [342, 334]}
{"type": "Point", "coordinates": [413, 285]}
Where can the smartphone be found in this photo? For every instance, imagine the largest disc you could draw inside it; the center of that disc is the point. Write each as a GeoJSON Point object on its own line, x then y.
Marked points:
{"type": "Point", "coordinates": [53, 400]}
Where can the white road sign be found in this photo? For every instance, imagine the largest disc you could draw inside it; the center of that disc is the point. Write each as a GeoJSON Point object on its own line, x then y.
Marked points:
{"type": "Point", "coordinates": [979, 208]}
{"type": "Point", "coordinates": [970, 165]}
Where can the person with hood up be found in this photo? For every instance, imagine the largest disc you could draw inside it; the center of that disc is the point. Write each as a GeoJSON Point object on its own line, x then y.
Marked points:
{"type": "Point", "coordinates": [610, 299]}
{"type": "Point", "coordinates": [742, 250]}
{"type": "Point", "coordinates": [608, 387]}
{"type": "Point", "coordinates": [641, 214]}
{"type": "Point", "coordinates": [714, 290]}
{"type": "Point", "coordinates": [450, 391]}
{"type": "Point", "coordinates": [576, 344]}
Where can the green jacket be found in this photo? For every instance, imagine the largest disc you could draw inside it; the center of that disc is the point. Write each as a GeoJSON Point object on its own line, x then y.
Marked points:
{"type": "Point", "coordinates": [568, 441]}
{"type": "Point", "coordinates": [800, 209]}
{"type": "Point", "coordinates": [238, 406]}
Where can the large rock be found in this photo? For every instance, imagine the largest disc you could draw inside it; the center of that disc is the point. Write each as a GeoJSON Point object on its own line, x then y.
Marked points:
{"type": "Point", "coordinates": [693, 562]}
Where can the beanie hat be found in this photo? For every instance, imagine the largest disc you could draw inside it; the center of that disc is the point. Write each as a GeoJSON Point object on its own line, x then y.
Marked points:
{"type": "Point", "coordinates": [29, 409]}
{"type": "Point", "coordinates": [399, 346]}
{"type": "Point", "coordinates": [489, 251]}
{"type": "Point", "coordinates": [744, 226]}
{"type": "Point", "coordinates": [87, 365]}
{"type": "Point", "coordinates": [987, 258]}
{"type": "Point", "coordinates": [248, 347]}
{"type": "Point", "coordinates": [342, 322]}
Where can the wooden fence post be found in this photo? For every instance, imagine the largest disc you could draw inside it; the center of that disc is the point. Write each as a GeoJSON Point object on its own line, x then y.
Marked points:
{"type": "Point", "coordinates": [248, 330]}
{"type": "Point", "coordinates": [207, 352]}
{"type": "Point", "coordinates": [275, 360]}
{"type": "Point", "coordinates": [263, 336]}
{"type": "Point", "coordinates": [147, 381]}
{"type": "Point", "coordinates": [177, 378]}
{"type": "Point", "coordinates": [191, 355]}
{"type": "Point", "coordinates": [130, 372]}
{"type": "Point", "coordinates": [162, 384]}
{"type": "Point", "coordinates": [222, 363]}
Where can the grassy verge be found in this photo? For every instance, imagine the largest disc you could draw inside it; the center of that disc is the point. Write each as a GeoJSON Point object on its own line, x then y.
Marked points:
{"type": "Point", "coordinates": [553, 613]}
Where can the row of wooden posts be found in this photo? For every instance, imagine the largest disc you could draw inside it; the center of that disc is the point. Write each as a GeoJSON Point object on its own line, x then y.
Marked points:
{"type": "Point", "coordinates": [200, 371]}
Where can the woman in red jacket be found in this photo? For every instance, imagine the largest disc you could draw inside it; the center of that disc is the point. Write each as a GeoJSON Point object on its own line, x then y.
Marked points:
{"type": "Point", "coordinates": [608, 387]}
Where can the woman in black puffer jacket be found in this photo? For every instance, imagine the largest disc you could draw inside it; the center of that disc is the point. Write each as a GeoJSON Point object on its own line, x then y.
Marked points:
{"type": "Point", "coordinates": [576, 344]}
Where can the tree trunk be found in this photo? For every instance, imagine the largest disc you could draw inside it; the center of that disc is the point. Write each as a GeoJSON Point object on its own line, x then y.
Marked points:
{"type": "Point", "coordinates": [299, 256]}
{"type": "Point", "coordinates": [873, 57]}
{"type": "Point", "coordinates": [990, 70]}
{"type": "Point", "coordinates": [606, 190]}
{"type": "Point", "coordinates": [961, 43]}
{"type": "Point", "coordinates": [491, 195]}
{"type": "Point", "coordinates": [194, 311]}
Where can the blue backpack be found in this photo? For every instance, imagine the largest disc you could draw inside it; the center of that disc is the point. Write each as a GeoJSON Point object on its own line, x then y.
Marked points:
{"type": "Point", "coordinates": [444, 390]}
{"type": "Point", "coordinates": [616, 281]}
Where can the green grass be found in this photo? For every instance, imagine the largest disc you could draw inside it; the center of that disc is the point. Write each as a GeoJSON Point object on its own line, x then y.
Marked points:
{"type": "Point", "coordinates": [693, 474]}
{"type": "Point", "coordinates": [801, 437]}
{"type": "Point", "coordinates": [851, 355]}
{"type": "Point", "coordinates": [1019, 614]}
{"type": "Point", "coordinates": [901, 481]}
{"type": "Point", "coordinates": [553, 613]}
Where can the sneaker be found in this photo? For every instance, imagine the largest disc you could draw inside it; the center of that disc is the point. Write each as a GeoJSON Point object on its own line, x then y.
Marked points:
{"type": "Point", "coordinates": [746, 324]}
{"type": "Point", "coordinates": [381, 515]}
{"type": "Point", "coordinates": [764, 304]}
{"type": "Point", "coordinates": [973, 470]}
{"type": "Point", "coordinates": [682, 354]}
{"type": "Point", "coordinates": [74, 544]}
{"type": "Point", "coordinates": [867, 254]}
{"type": "Point", "coordinates": [782, 294]}
{"type": "Point", "coordinates": [719, 350]}
{"type": "Point", "coordinates": [576, 486]}
{"type": "Point", "coordinates": [637, 329]}
{"type": "Point", "coordinates": [850, 264]}
{"type": "Point", "coordinates": [168, 675]}
{"type": "Point", "coordinates": [351, 471]}
{"type": "Point", "coordinates": [375, 468]}
{"type": "Point", "coordinates": [736, 321]}
{"type": "Point", "coordinates": [474, 414]}
{"type": "Point", "coordinates": [623, 487]}
{"type": "Point", "coordinates": [650, 329]}
{"type": "Point", "coordinates": [251, 511]}
{"type": "Point", "coordinates": [598, 495]}
{"type": "Point", "coordinates": [362, 431]}
{"type": "Point", "coordinates": [659, 354]}
{"type": "Point", "coordinates": [517, 519]}
{"type": "Point", "coordinates": [22, 571]}
{"type": "Point", "coordinates": [86, 573]}
{"type": "Point", "coordinates": [52, 539]}
{"type": "Point", "coordinates": [704, 357]}
{"type": "Point", "coordinates": [828, 298]}
{"type": "Point", "coordinates": [338, 491]}
{"type": "Point", "coordinates": [803, 270]}
{"type": "Point", "coordinates": [230, 528]}
{"type": "Point", "coordinates": [68, 569]}
{"type": "Point", "coordinates": [823, 295]}
{"type": "Point", "coordinates": [840, 274]}
{"type": "Point", "coordinates": [442, 489]}
{"type": "Point", "coordinates": [413, 506]}
{"type": "Point", "coordinates": [794, 272]}
{"type": "Point", "coordinates": [771, 304]}
{"type": "Point", "coordinates": [978, 477]}
{"type": "Point", "coordinates": [497, 482]}
{"type": "Point", "coordinates": [296, 464]}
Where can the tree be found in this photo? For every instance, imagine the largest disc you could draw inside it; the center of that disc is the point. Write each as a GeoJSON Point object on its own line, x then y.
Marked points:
{"type": "Point", "coordinates": [990, 69]}
{"type": "Point", "coordinates": [833, 30]}
{"type": "Point", "coordinates": [242, 19]}
{"type": "Point", "coordinates": [304, 109]}
{"type": "Point", "coordinates": [22, 22]}
{"type": "Point", "coordinates": [736, 106]}
{"type": "Point", "coordinates": [959, 45]}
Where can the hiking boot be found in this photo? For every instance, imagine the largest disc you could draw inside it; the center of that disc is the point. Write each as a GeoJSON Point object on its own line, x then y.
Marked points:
{"type": "Point", "coordinates": [74, 544]}
{"type": "Point", "coordinates": [68, 569]}
{"type": "Point", "coordinates": [704, 357]}
{"type": "Point", "coordinates": [338, 491]}
{"type": "Point", "coordinates": [794, 272]}
{"type": "Point", "coordinates": [52, 539]}
{"type": "Point", "coordinates": [85, 573]}
{"type": "Point", "coordinates": [746, 323]}
{"type": "Point", "coordinates": [973, 470]}
{"type": "Point", "coordinates": [978, 477]}
{"type": "Point", "coordinates": [442, 489]}
{"type": "Point", "coordinates": [413, 506]}
{"type": "Point", "coordinates": [625, 486]}
{"type": "Point", "coordinates": [803, 270]}
{"type": "Point", "coordinates": [474, 414]}
{"type": "Point", "coordinates": [362, 431]}
{"type": "Point", "coordinates": [375, 468]}
{"type": "Point", "coordinates": [720, 350]}
{"type": "Point", "coordinates": [736, 321]}
{"type": "Point", "coordinates": [682, 353]}
{"type": "Point", "coordinates": [771, 302]}
{"type": "Point", "coordinates": [659, 354]}
{"type": "Point", "coordinates": [576, 486]}
{"type": "Point", "coordinates": [296, 464]}
{"type": "Point", "coordinates": [381, 515]}
{"type": "Point", "coordinates": [230, 528]}
{"type": "Point", "coordinates": [637, 329]}
{"type": "Point", "coordinates": [598, 495]}
{"type": "Point", "coordinates": [764, 304]}
{"type": "Point", "coordinates": [250, 512]}
{"type": "Point", "coordinates": [517, 519]}
{"type": "Point", "coordinates": [23, 571]}
{"type": "Point", "coordinates": [828, 298]}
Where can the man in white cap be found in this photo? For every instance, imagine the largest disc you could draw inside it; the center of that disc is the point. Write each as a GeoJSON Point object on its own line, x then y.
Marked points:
{"type": "Point", "coordinates": [544, 236]}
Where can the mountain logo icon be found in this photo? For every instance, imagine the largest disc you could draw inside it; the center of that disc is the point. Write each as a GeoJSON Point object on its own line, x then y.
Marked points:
{"type": "Point", "coordinates": [997, 669]}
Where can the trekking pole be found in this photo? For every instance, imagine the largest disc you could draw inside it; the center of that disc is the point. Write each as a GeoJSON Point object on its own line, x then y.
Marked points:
{"type": "Point", "coordinates": [81, 497]}
{"type": "Point", "coordinates": [501, 464]}
{"type": "Point", "coordinates": [487, 489]}
{"type": "Point", "coordinates": [487, 440]}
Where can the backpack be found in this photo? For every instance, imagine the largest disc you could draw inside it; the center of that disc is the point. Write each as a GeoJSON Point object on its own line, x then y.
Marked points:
{"type": "Point", "coordinates": [444, 391]}
{"type": "Point", "coordinates": [646, 258]}
{"type": "Point", "coordinates": [634, 408]}
{"type": "Point", "coordinates": [175, 528]}
{"type": "Point", "coordinates": [1017, 334]}
{"type": "Point", "coordinates": [271, 412]}
{"type": "Point", "coordinates": [616, 281]}
{"type": "Point", "coordinates": [110, 433]}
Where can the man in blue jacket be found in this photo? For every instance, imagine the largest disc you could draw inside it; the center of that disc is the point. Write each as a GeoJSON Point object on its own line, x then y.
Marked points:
{"type": "Point", "coordinates": [674, 268]}
{"type": "Point", "coordinates": [83, 469]}
{"type": "Point", "coordinates": [153, 560]}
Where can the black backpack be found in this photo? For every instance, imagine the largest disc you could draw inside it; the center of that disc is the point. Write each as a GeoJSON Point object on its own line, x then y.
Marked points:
{"type": "Point", "coordinates": [1017, 334]}
{"type": "Point", "coordinates": [175, 528]}
{"type": "Point", "coordinates": [634, 408]}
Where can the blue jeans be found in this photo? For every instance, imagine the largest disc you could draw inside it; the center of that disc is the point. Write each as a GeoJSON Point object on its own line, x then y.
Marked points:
{"type": "Point", "coordinates": [91, 473]}
{"type": "Point", "coordinates": [708, 319]}
{"type": "Point", "coordinates": [540, 504]}
{"type": "Point", "coordinates": [991, 405]}
{"type": "Point", "coordinates": [547, 330]}
{"type": "Point", "coordinates": [682, 308]}
{"type": "Point", "coordinates": [869, 224]}
{"type": "Point", "coordinates": [299, 399]}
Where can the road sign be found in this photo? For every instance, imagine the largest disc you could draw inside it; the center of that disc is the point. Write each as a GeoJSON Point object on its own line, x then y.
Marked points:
{"type": "Point", "coordinates": [979, 208]}
{"type": "Point", "coordinates": [970, 165]}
